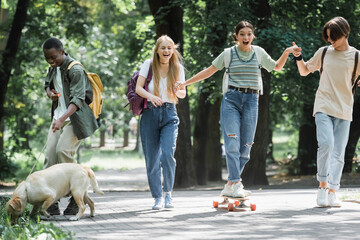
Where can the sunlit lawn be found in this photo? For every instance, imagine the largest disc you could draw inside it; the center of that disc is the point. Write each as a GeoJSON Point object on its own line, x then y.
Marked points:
{"type": "Point", "coordinates": [285, 144]}
{"type": "Point", "coordinates": [123, 159]}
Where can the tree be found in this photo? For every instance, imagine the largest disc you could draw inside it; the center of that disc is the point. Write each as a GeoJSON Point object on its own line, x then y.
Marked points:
{"type": "Point", "coordinates": [8, 59]}
{"type": "Point", "coordinates": [353, 137]}
{"type": "Point", "coordinates": [255, 171]}
{"type": "Point", "coordinates": [168, 16]}
{"type": "Point", "coordinates": [207, 136]}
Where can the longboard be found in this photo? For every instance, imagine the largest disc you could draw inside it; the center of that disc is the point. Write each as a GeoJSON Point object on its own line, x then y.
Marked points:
{"type": "Point", "coordinates": [236, 204]}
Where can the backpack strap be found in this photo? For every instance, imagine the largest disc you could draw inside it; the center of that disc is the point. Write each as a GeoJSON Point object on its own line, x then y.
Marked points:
{"type": "Point", "coordinates": [227, 62]}
{"type": "Point", "coordinates": [147, 81]}
{"type": "Point", "coordinates": [257, 51]}
{"type": "Point", "coordinates": [353, 80]}
{"type": "Point", "coordinates": [227, 58]}
{"type": "Point", "coordinates": [322, 59]}
{"type": "Point", "coordinates": [74, 63]}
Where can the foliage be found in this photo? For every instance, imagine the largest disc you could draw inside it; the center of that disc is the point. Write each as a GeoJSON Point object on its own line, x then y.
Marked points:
{"type": "Point", "coordinates": [7, 167]}
{"type": "Point", "coordinates": [112, 33]}
{"type": "Point", "coordinates": [306, 19]}
{"type": "Point", "coordinates": [28, 228]}
{"type": "Point", "coordinates": [118, 36]}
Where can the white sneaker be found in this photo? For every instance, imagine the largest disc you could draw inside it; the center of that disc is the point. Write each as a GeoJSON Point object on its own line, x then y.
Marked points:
{"type": "Point", "coordinates": [333, 202]}
{"type": "Point", "coordinates": [322, 197]}
{"type": "Point", "coordinates": [227, 191]}
{"type": "Point", "coordinates": [168, 200]}
{"type": "Point", "coordinates": [247, 193]}
{"type": "Point", "coordinates": [238, 190]}
{"type": "Point", "coordinates": [158, 204]}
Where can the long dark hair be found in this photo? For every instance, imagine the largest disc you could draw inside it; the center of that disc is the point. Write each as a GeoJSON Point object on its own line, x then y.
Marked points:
{"type": "Point", "coordinates": [241, 25]}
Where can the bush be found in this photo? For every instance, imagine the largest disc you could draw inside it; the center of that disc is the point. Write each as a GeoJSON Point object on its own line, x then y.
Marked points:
{"type": "Point", "coordinates": [7, 167]}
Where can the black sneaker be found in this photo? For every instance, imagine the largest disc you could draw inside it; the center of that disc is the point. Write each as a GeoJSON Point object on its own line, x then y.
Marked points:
{"type": "Point", "coordinates": [72, 208]}
{"type": "Point", "coordinates": [54, 209]}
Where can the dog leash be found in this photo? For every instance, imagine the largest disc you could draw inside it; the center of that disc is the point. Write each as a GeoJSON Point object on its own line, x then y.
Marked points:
{"type": "Point", "coordinates": [37, 159]}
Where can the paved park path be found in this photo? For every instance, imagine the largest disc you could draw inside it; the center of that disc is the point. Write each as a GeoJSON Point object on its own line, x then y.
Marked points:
{"type": "Point", "coordinates": [124, 212]}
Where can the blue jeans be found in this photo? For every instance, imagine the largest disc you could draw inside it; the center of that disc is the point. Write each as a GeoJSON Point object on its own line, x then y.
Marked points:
{"type": "Point", "coordinates": [158, 131]}
{"type": "Point", "coordinates": [332, 135]}
{"type": "Point", "coordinates": [239, 113]}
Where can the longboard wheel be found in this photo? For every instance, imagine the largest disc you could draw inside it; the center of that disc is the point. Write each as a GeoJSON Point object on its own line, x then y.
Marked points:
{"type": "Point", "coordinates": [230, 207]}
{"type": "Point", "coordinates": [237, 203]}
{"type": "Point", "coordinates": [215, 204]}
{"type": "Point", "coordinates": [252, 207]}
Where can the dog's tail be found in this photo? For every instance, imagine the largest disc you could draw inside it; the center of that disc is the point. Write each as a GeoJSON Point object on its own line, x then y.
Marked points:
{"type": "Point", "coordinates": [93, 181]}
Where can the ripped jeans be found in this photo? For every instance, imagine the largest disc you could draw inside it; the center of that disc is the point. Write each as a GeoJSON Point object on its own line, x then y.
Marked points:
{"type": "Point", "coordinates": [239, 114]}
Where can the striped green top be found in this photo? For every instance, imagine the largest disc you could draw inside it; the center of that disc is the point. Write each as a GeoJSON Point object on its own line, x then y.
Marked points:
{"type": "Point", "coordinates": [244, 73]}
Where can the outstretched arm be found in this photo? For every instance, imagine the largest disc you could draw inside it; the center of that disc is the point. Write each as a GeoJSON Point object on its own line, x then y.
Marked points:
{"type": "Point", "coordinates": [206, 73]}
{"type": "Point", "coordinates": [303, 70]}
{"type": "Point", "coordinates": [282, 60]}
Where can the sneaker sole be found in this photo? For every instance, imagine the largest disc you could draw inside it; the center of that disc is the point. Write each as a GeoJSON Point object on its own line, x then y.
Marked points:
{"type": "Point", "coordinates": [239, 196]}
{"type": "Point", "coordinates": [157, 208]}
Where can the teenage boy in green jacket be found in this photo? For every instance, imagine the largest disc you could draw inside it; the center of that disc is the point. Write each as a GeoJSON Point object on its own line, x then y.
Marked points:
{"type": "Point", "coordinates": [72, 118]}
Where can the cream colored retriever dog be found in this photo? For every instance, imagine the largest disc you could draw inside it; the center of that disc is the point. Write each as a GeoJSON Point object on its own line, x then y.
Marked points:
{"type": "Point", "coordinates": [47, 186]}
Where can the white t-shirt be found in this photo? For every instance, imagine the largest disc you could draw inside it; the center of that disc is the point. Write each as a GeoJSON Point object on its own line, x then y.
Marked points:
{"type": "Point", "coordinates": [334, 94]}
{"type": "Point", "coordinates": [144, 70]}
{"type": "Point", "coordinates": [61, 108]}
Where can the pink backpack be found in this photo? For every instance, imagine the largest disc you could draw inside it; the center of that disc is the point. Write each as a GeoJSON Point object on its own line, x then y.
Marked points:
{"type": "Point", "coordinates": [137, 103]}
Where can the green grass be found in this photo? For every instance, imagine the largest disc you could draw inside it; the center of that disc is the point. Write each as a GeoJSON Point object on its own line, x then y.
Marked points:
{"type": "Point", "coordinates": [95, 158]}
{"type": "Point", "coordinates": [284, 144]}
{"type": "Point", "coordinates": [111, 159]}
{"type": "Point", "coordinates": [350, 195]}
{"type": "Point", "coordinates": [27, 228]}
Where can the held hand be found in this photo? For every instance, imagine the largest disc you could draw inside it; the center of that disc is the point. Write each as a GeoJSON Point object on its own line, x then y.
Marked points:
{"type": "Point", "coordinates": [179, 86]}
{"type": "Point", "coordinates": [53, 94]}
{"type": "Point", "coordinates": [295, 50]}
{"type": "Point", "coordinates": [156, 101]}
{"type": "Point", "coordinates": [57, 125]}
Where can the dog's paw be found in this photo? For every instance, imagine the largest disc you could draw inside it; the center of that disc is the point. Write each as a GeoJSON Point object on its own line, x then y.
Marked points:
{"type": "Point", "coordinates": [92, 215]}
{"type": "Point", "coordinates": [73, 219]}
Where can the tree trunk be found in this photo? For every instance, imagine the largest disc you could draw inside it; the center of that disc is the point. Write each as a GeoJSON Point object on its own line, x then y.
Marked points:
{"type": "Point", "coordinates": [137, 137]}
{"type": "Point", "coordinates": [307, 148]}
{"type": "Point", "coordinates": [201, 138]}
{"type": "Point", "coordinates": [255, 171]}
{"type": "Point", "coordinates": [213, 148]}
{"type": "Point", "coordinates": [102, 138]}
{"type": "Point", "coordinates": [353, 136]}
{"type": "Point", "coordinates": [207, 135]}
{"type": "Point", "coordinates": [126, 137]}
{"type": "Point", "coordinates": [9, 54]}
{"type": "Point", "coordinates": [170, 22]}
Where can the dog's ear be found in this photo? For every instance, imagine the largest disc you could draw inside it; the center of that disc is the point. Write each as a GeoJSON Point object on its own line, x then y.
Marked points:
{"type": "Point", "coordinates": [15, 204]}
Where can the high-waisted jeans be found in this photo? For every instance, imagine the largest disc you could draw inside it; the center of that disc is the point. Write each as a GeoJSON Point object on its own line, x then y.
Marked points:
{"type": "Point", "coordinates": [159, 131]}
{"type": "Point", "coordinates": [332, 135]}
{"type": "Point", "coordinates": [239, 113]}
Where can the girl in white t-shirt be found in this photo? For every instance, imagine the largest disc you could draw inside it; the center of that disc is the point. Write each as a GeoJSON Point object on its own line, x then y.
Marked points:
{"type": "Point", "coordinates": [239, 107]}
{"type": "Point", "coordinates": [333, 105]}
{"type": "Point", "coordinates": [159, 121]}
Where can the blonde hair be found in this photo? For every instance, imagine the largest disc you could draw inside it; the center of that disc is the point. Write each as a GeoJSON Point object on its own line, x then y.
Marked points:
{"type": "Point", "coordinates": [174, 68]}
